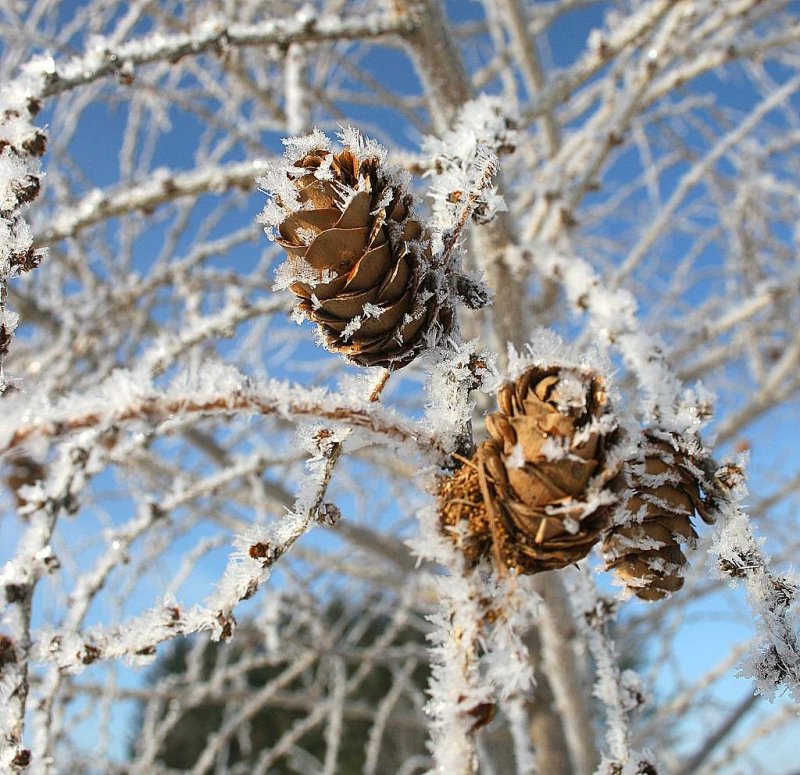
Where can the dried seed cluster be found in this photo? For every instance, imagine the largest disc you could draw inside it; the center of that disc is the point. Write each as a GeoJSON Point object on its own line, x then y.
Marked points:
{"type": "Point", "coordinates": [21, 145]}
{"type": "Point", "coordinates": [22, 470]}
{"type": "Point", "coordinates": [541, 491]}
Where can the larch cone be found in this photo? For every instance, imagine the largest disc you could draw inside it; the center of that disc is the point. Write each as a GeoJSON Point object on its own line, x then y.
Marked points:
{"type": "Point", "coordinates": [544, 476]}
{"type": "Point", "coordinates": [664, 490]}
{"type": "Point", "coordinates": [359, 261]}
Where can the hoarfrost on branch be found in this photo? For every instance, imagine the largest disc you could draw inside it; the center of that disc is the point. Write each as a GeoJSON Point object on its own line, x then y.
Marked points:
{"type": "Point", "coordinates": [606, 186]}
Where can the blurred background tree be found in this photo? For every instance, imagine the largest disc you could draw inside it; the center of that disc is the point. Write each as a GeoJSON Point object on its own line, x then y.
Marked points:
{"type": "Point", "coordinates": [251, 668]}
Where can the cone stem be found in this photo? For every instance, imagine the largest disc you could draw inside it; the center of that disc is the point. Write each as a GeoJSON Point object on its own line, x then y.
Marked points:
{"type": "Point", "coordinates": [380, 385]}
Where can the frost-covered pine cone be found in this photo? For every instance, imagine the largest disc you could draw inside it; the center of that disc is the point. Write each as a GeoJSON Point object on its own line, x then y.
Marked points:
{"type": "Point", "coordinates": [665, 488]}
{"type": "Point", "coordinates": [358, 261]}
{"type": "Point", "coordinates": [544, 475]}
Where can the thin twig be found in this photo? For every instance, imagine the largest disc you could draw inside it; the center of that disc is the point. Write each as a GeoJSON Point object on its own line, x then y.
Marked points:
{"type": "Point", "coordinates": [155, 408]}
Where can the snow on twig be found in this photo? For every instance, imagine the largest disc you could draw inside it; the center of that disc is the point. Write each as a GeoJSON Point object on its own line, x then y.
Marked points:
{"type": "Point", "coordinates": [257, 550]}
{"type": "Point", "coordinates": [613, 320]}
{"type": "Point", "coordinates": [462, 163]}
{"type": "Point", "coordinates": [519, 725]}
{"type": "Point", "coordinates": [214, 35]}
{"type": "Point", "coordinates": [130, 397]}
{"type": "Point", "coordinates": [774, 661]}
{"type": "Point", "coordinates": [161, 186]}
{"type": "Point", "coordinates": [621, 692]}
{"type": "Point", "coordinates": [33, 559]}
{"type": "Point", "coordinates": [478, 655]}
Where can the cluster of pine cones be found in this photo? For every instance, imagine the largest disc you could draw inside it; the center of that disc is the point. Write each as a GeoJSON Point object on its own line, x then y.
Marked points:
{"type": "Point", "coordinates": [551, 481]}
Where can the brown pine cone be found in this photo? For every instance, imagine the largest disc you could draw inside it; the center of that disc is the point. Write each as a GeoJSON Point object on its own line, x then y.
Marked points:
{"type": "Point", "coordinates": [544, 474]}
{"type": "Point", "coordinates": [358, 262]}
{"type": "Point", "coordinates": [665, 489]}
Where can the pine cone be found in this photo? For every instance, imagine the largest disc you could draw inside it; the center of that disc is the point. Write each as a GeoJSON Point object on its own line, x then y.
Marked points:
{"type": "Point", "coordinates": [665, 489]}
{"type": "Point", "coordinates": [358, 262]}
{"type": "Point", "coordinates": [544, 474]}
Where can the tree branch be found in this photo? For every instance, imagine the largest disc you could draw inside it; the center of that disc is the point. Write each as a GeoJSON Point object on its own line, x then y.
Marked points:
{"type": "Point", "coordinates": [214, 36]}
{"type": "Point", "coordinates": [161, 186]}
{"type": "Point", "coordinates": [274, 398]}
